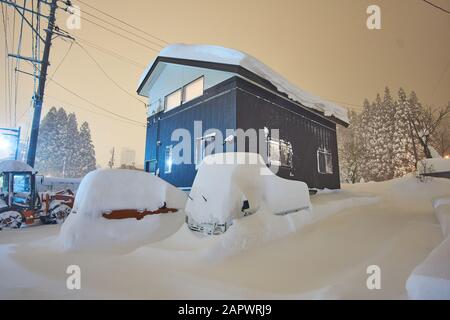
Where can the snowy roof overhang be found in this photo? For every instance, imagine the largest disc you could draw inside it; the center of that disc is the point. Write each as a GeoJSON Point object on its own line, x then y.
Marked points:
{"type": "Point", "coordinates": [246, 66]}
{"type": "Point", "coordinates": [15, 166]}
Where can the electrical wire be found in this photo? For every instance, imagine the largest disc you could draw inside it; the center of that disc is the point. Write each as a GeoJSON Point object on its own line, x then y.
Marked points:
{"type": "Point", "coordinates": [124, 22]}
{"type": "Point", "coordinates": [96, 105]}
{"type": "Point", "coordinates": [436, 6]}
{"type": "Point", "coordinates": [107, 75]}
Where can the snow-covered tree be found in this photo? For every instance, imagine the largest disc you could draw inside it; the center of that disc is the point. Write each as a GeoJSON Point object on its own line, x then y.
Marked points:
{"type": "Point", "coordinates": [48, 146]}
{"type": "Point", "coordinates": [390, 136]}
{"type": "Point", "coordinates": [404, 158]}
{"type": "Point", "coordinates": [87, 161]}
{"type": "Point", "coordinates": [63, 149]}
{"type": "Point", "coordinates": [351, 150]}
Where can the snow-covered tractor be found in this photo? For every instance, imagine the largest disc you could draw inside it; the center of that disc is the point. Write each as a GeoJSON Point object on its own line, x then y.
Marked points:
{"type": "Point", "coordinates": [20, 203]}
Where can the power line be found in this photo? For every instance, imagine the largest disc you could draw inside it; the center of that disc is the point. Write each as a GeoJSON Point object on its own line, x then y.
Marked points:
{"type": "Point", "coordinates": [436, 6]}
{"type": "Point", "coordinates": [120, 35]}
{"type": "Point", "coordinates": [107, 75]}
{"type": "Point", "coordinates": [62, 60]}
{"type": "Point", "coordinates": [124, 22]}
{"type": "Point", "coordinates": [120, 28]}
{"type": "Point", "coordinates": [92, 111]}
{"type": "Point", "coordinates": [111, 53]}
{"type": "Point", "coordinates": [96, 105]}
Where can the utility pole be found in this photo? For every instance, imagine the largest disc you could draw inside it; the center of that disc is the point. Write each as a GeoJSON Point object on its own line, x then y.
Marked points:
{"type": "Point", "coordinates": [111, 162]}
{"type": "Point", "coordinates": [38, 98]}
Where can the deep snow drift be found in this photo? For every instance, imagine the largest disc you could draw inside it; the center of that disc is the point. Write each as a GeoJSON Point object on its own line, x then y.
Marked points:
{"type": "Point", "coordinates": [102, 191]}
{"type": "Point", "coordinates": [389, 224]}
{"type": "Point", "coordinates": [223, 55]}
{"type": "Point", "coordinates": [431, 279]}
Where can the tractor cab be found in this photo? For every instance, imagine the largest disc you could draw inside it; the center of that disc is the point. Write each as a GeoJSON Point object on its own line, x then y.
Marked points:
{"type": "Point", "coordinates": [20, 201]}
{"type": "Point", "coordinates": [18, 187]}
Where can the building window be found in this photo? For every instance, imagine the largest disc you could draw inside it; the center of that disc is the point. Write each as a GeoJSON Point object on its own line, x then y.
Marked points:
{"type": "Point", "coordinates": [280, 153]}
{"type": "Point", "coordinates": [168, 160]}
{"type": "Point", "coordinates": [324, 161]}
{"type": "Point", "coordinates": [173, 100]}
{"type": "Point", "coordinates": [204, 147]}
{"type": "Point", "coordinates": [193, 90]}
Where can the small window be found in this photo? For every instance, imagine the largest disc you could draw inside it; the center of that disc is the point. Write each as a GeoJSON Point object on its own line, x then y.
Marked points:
{"type": "Point", "coordinates": [193, 90]}
{"type": "Point", "coordinates": [173, 100]}
{"type": "Point", "coordinates": [168, 160]}
{"type": "Point", "coordinates": [204, 147]}
{"type": "Point", "coordinates": [280, 153]}
{"type": "Point", "coordinates": [324, 161]}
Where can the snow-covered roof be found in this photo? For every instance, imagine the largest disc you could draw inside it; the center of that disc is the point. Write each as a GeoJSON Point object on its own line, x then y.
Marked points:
{"type": "Point", "coordinates": [221, 55]}
{"type": "Point", "coordinates": [14, 166]}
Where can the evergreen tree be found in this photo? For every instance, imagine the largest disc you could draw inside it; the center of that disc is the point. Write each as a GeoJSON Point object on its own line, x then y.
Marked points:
{"type": "Point", "coordinates": [403, 140]}
{"type": "Point", "coordinates": [386, 134]}
{"type": "Point", "coordinates": [63, 150]}
{"type": "Point", "coordinates": [47, 145]}
{"type": "Point", "coordinates": [88, 162]}
{"type": "Point", "coordinates": [72, 146]}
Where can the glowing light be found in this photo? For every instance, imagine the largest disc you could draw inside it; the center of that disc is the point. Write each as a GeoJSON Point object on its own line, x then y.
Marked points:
{"type": "Point", "coordinates": [5, 145]}
{"type": "Point", "coordinates": [447, 156]}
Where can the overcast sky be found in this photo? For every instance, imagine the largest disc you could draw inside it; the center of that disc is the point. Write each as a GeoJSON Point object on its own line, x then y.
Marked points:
{"type": "Point", "coordinates": [322, 46]}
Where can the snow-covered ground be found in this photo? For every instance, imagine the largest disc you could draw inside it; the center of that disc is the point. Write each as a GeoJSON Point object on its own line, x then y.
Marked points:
{"type": "Point", "coordinates": [388, 224]}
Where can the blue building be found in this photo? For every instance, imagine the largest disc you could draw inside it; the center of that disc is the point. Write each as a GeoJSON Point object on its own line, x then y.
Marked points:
{"type": "Point", "coordinates": [226, 89]}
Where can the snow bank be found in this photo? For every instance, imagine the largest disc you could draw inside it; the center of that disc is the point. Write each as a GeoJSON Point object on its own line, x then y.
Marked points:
{"type": "Point", "coordinates": [431, 279]}
{"type": "Point", "coordinates": [14, 166]}
{"type": "Point", "coordinates": [223, 55]}
{"type": "Point", "coordinates": [442, 212]}
{"type": "Point", "coordinates": [106, 190]}
{"type": "Point", "coordinates": [224, 183]}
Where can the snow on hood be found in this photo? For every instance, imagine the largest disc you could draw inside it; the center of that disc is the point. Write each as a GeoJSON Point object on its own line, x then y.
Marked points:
{"type": "Point", "coordinates": [223, 55]}
{"type": "Point", "coordinates": [15, 166]}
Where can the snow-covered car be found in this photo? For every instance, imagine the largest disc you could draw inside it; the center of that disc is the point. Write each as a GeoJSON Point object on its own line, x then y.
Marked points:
{"type": "Point", "coordinates": [230, 186]}
{"type": "Point", "coordinates": [100, 219]}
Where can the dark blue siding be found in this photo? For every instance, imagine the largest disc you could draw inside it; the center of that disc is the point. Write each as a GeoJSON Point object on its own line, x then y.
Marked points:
{"type": "Point", "coordinates": [237, 103]}
{"type": "Point", "coordinates": [216, 109]}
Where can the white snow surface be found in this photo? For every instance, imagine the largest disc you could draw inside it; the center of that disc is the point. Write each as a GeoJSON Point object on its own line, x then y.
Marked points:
{"type": "Point", "coordinates": [102, 191]}
{"type": "Point", "coordinates": [225, 180]}
{"type": "Point", "coordinates": [442, 211]}
{"type": "Point", "coordinates": [389, 224]}
{"type": "Point", "coordinates": [437, 165]}
{"type": "Point", "coordinates": [218, 54]}
{"type": "Point", "coordinates": [431, 279]}
{"type": "Point", "coordinates": [15, 166]}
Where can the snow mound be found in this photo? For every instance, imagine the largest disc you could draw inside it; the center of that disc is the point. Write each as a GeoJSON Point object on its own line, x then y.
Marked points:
{"type": "Point", "coordinates": [218, 54]}
{"type": "Point", "coordinates": [102, 191]}
{"type": "Point", "coordinates": [14, 166]}
{"type": "Point", "coordinates": [442, 212]}
{"type": "Point", "coordinates": [435, 165]}
{"type": "Point", "coordinates": [227, 183]}
{"type": "Point", "coordinates": [431, 279]}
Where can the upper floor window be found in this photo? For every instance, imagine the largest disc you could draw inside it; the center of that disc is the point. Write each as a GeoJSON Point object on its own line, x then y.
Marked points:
{"type": "Point", "coordinates": [194, 89]}
{"type": "Point", "coordinates": [324, 161]}
{"type": "Point", "coordinates": [187, 93]}
{"type": "Point", "coordinates": [173, 100]}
